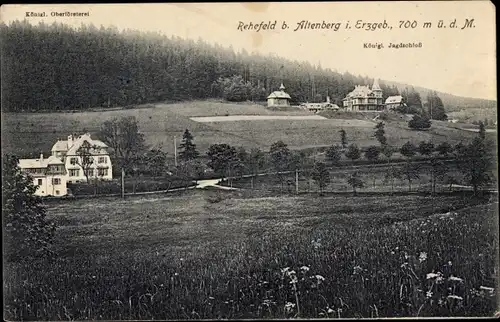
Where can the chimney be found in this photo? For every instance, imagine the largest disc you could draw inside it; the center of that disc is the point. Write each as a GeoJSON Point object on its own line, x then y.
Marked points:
{"type": "Point", "coordinates": [41, 156]}
{"type": "Point", "coordinates": [328, 99]}
{"type": "Point", "coordinates": [70, 141]}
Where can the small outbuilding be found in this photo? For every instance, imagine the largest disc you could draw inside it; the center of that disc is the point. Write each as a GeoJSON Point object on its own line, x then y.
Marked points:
{"type": "Point", "coordinates": [393, 102]}
{"type": "Point", "coordinates": [279, 98]}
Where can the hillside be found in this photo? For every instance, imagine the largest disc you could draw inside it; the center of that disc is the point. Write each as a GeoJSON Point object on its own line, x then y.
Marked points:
{"type": "Point", "coordinates": [451, 102]}
{"type": "Point", "coordinates": [29, 134]}
{"type": "Point", "coordinates": [127, 68]}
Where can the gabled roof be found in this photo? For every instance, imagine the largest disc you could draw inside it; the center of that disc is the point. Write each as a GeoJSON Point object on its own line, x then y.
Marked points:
{"type": "Point", "coordinates": [39, 163]}
{"type": "Point", "coordinates": [394, 99]}
{"type": "Point", "coordinates": [279, 94]}
{"type": "Point", "coordinates": [52, 160]}
{"type": "Point", "coordinates": [62, 145]}
{"type": "Point", "coordinates": [32, 163]}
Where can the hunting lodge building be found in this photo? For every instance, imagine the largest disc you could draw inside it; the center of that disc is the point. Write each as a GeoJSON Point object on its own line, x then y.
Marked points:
{"type": "Point", "coordinates": [362, 98]}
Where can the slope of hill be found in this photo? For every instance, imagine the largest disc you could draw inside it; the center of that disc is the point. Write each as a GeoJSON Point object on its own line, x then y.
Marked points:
{"type": "Point", "coordinates": [451, 102]}
{"type": "Point", "coordinates": [29, 134]}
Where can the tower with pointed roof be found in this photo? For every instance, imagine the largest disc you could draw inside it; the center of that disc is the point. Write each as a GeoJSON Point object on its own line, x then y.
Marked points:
{"type": "Point", "coordinates": [376, 89]}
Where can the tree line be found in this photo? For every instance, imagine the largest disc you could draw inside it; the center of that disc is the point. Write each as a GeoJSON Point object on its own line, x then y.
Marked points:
{"type": "Point", "coordinates": [56, 67]}
{"type": "Point", "coordinates": [128, 151]}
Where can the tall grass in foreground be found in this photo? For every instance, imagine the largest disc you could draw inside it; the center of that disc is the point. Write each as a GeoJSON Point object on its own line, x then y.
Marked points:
{"type": "Point", "coordinates": [442, 265]}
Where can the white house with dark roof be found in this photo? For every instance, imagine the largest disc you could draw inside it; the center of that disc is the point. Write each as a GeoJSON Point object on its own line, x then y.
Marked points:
{"type": "Point", "coordinates": [49, 175]}
{"type": "Point", "coordinates": [393, 102]}
{"type": "Point", "coordinates": [68, 151]}
{"type": "Point", "coordinates": [362, 98]}
{"type": "Point", "coordinates": [279, 98]}
{"type": "Point", "coordinates": [52, 174]}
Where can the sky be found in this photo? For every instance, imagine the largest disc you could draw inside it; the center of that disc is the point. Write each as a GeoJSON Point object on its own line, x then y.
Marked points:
{"type": "Point", "coordinates": [453, 60]}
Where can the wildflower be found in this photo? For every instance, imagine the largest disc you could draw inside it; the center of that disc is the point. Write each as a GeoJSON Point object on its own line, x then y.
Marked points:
{"type": "Point", "coordinates": [304, 268]}
{"type": "Point", "coordinates": [455, 279]}
{"type": "Point", "coordinates": [289, 307]}
{"type": "Point", "coordinates": [428, 294]}
{"type": "Point", "coordinates": [330, 311]}
{"type": "Point", "coordinates": [319, 278]}
{"type": "Point", "coordinates": [176, 274]}
{"type": "Point", "coordinates": [486, 288]}
{"type": "Point", "coordinates": [491, 290]}
{"type": "Point", "coordinates": [392, 253]}
{"type": "Point", "coordinates": [455, 297]}
{"type": "Point", "coordinates": [211, 298]}
{"type": "Point", "coordinates": [433, 275]}
{"type": "Point", "coordinates": [293, 279]}
{"type": "Point", "coordinates": [284, 270]}
{"type": "Point", "coordinates": [357, 270]}
{"type": "Point", "coordinates": [449, 263]}
{"type": "Point", "coordinates": [422, 257]}
{"type": "Point", "coordinates": [316, 243]}
{"type": "Point", "coordinates": [93, 276]}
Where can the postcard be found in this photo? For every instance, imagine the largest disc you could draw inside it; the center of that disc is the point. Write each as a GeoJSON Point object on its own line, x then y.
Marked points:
{"type": "Point", "coordinates": [267, 160]}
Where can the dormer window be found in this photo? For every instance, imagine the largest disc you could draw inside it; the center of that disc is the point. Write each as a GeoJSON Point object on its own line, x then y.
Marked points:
{"type": "Point", "coordinates": [73, 161]}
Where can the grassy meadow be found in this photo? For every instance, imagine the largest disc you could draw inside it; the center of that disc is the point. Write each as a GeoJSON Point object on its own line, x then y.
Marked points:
{"type": "Point", "coordinates": [29, 134]}
{"type": "Point", "coordinates": [375, 179]}
{"type": "Point", "coordinates": [218, 254]}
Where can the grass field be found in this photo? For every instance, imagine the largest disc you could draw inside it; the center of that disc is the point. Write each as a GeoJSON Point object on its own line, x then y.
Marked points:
{"type": "Point", "coordinates": [474, 114]}
{"type": "Point", "coordinates": [29, 134]}
{"type": "Point", "coordinates": [195, 256]}
{"type": "Point", "coordinates": [374, 180]}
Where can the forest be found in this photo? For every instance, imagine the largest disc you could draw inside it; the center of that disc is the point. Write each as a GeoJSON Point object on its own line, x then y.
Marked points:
{"type": "Point", "coordinates": [56, 67]}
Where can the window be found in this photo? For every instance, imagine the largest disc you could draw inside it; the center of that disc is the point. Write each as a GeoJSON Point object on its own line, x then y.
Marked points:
{"type": "Point", "coordinates": [73, 160]}
{"type": "Point", "coordinates": [56, 181]}
{"type": "Point", "coordinates": [101, 160]}
{"type": "Point", "coordinates": [90, 172]}
{"type": "Point", "coordinates": [57, 192]}
{"type": "Point", "coordinates": [39, 182]}
{"type": "Point", "coordinates": [38, 171]}
{"type": "Point", "coordinates": [74, 172]}
{"type": "Point", "coordinates": [102, 172]}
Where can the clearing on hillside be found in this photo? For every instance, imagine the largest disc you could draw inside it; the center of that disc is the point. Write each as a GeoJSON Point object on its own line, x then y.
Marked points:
{"type": "Point", "coordinates": [29, 134]}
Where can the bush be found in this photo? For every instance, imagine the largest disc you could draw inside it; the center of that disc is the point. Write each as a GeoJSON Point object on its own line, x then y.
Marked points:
{"type": "Point", "coordinates": [27, 232]}
{"type": "Point", "coordinates": [425, 148]}
{"type": "Point", "coordinates": [372, 153]}
{"type": "Point", "coordinates": [419, 122]}
{"type": "Point", "coordinates": [384, 116]}
{"type": "Point", "coordinates": [142, 185]}
{"type": "Point", "coordinates": [444, 148]}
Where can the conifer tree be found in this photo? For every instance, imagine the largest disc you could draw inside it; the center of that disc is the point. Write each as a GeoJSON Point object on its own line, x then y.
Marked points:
{"type": "Point", "coordinates": [188, 148]}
